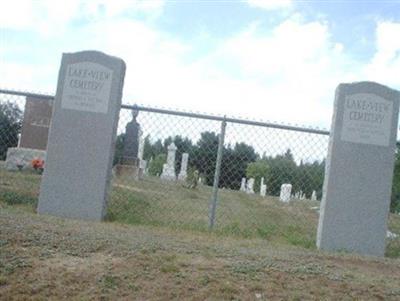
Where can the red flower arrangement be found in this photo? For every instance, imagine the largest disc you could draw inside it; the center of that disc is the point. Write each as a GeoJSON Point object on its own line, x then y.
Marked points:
{"type": "Point", "coordinates": [38, 164]}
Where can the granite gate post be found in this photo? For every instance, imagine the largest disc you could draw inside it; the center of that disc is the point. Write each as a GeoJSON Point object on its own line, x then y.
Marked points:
{"type": "Point", "coordinates": [359, 169]}
{"type": "Point", "coordinates": [82, 136]}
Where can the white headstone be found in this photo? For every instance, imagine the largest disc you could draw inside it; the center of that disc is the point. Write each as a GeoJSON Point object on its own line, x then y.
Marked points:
{"type": "Point", "coordinates": [19, 140]}
{"type": "Point", "coordinates": [143, 165]}
{"type": "Point", "coordinates": [263, 187]}
{"type": "Point", "coordinates": [141, 145]}
{"type": "Point", "coordinates": [243, 185]}
{"type": "Point", "coordinates": [184, 165]}
{"type": "Point", "coordinates": [82, 136]}
{"type": "Point", "coordinates": [314, 196]}
{"type": "Point", "coordinates": [250, 186]}
{"type": "Point", "coordinates": [263, 190]}
{"type": "Point", "coordinates": [359, 169]}
{"type": "Point", "coordinates": [168, 172]}
{"type": "Point", "coordinates": [286, 190]}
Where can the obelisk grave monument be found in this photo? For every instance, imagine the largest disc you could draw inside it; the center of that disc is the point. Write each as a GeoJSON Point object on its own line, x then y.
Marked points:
{"type": "Point", "coordinates": [130, 163]}
{"type": "Point", "coordinates": [82, 136]}
{"type": "Point", "coordinates": [359, 169]}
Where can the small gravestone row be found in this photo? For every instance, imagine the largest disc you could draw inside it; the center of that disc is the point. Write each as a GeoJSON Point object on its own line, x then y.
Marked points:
{"type": "Point", "coordinates": [168, 171]}
{"type": "Point", "coordinates": [285, 192]}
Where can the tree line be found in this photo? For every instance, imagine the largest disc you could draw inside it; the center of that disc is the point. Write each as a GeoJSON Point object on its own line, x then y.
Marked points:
{"type": "Point", "coordinates": [238, 161]}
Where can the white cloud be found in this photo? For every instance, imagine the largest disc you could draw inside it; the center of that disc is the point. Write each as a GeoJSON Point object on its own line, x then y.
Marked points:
{"type": "Point", "coordinates": [385, 64]}
{"type": "Point", "coordinates": [42, 16]}
{"type": "Point", "coordinates": [48, 17]}
{"type": "Point", "coordinates": [270, 4]}
{"type": "Point", "coordinates": [286, 74]}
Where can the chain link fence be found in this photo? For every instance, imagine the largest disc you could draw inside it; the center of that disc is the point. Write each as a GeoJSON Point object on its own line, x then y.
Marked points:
{"type": "Point", "coordinates": [184, 170]}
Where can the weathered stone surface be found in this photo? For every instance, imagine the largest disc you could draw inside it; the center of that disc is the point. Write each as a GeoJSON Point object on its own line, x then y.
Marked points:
{"type": "Point", "coordinates": [286, 190]}
{"type": "Point", "coordinates": [314, 196]}
{"type": "Point", "coordinates": [131, 142]}
{"type": "Point", "coordinates": [263, 188]}
{"type": "Point", "coordinates": [82, 136]}
{"type": "Point", "coordinates": [250, 186]}
{"type": "Point", "coordinates": [19, 156]}
{"type": "Point", "coordinates": [243, 185]}
{"type": "Point", "coordinates": [36, 122]}
{"type": "Point", "coordinates": [168, 172]}
{"type": "Point", "coordinates": [184, 165]}
{"type": "Point", "coordinates": [359, 169]}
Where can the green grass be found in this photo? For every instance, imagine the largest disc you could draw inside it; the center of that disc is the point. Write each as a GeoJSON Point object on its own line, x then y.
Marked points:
{"type": "Point", "coordinates": [167, 204]}
{"type": "Point", "coordinates": [159, 203]}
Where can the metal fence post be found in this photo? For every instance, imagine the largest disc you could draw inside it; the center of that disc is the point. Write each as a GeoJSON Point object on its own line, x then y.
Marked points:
{"type": "Point", "coordinates": [214, 196]}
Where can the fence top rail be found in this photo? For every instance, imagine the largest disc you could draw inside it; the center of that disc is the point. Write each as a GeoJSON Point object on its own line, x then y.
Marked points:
{"type": "Point", "coordinates": [227, 119]}
{"type": "Point", "coordinates": [26, 94]}
{"type": "Point", "coordinates": [188, 114]}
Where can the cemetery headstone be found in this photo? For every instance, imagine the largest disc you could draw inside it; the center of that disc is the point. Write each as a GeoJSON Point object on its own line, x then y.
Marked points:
{"type": "Point", "coordinates": [243, 185]}
{"type": "Point", "coordinates": [82, 136]}
{"type": "Point", "coordinates": [32, 141]}
{"type": "Point", "coordinates": [250, 186]}
{"type": "Point", "coordinates": [143, 167]}
{"type": "Point", "coordinates": [314, 196]}
{"type": "Point", "coordinates": [359, 169]}
{"type": "Point", "coordinates": [36, 122]}
{"type": "Point", "coordinates": [21, 158]}
{"type": "Point", "coordinates": [263, 188]}
{"type": "Point", "coordinates": [286, 190]}
{"type": "Point", "coordinates": [131, 141]}
{"type": "Point", "coordinates": [129, 166]}
{"type": "Point", "coordinates": [184, 165]}
{"type": "Point", "coordinates": [141, 145]}
{"type": "Point", "coordinates": [168, 172]}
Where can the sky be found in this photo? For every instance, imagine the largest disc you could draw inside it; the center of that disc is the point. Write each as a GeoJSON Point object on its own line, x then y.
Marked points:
{"type": "Point", "coordinates": [276, 61]}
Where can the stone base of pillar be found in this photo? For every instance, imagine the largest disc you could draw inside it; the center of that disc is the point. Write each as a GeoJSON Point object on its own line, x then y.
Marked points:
{"type": "Point", "coordinates": [182, 176]}
{"type": "Point", "coordinates": [168, 173]}
{"type": "Point", "coordinates": [21, 158]}
{"type": "Point", "coordinates": [127, 171]}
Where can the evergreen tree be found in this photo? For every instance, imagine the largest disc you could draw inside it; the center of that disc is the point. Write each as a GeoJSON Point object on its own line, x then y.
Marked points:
{"type": "Point", "coordinates": [10, 127]}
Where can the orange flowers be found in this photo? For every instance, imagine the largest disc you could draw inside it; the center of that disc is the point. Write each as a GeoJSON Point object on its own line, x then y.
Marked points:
{"type": "Point", "coordinates": [38, 164]}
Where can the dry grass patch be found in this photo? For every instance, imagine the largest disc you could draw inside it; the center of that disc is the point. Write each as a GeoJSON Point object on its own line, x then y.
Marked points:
{"type": "Point", "coordinates": [44, 257]}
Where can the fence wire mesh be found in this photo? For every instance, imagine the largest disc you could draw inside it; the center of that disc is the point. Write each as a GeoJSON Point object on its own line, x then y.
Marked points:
{"type": "Point", "coordinates": [167, 175]}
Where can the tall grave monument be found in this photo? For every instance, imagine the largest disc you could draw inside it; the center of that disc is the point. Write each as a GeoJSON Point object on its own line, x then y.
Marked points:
{"type": "Point", "coordinates": [359, 169]}
{"type": "Point", "coordinates": [36, 122]}
{"type": "Point", "coordinates": [34, 133]}
{"type": "Point", "coordinates": [131, 143]}
{"type": "Point", "coordinates": [82, 136]}
{"type": "Point", "coordinates": [168, 172]}
{"type": "Point", "coordinates": [184, 165]}
{"type": "Point", "coordinates": [130, 162]}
